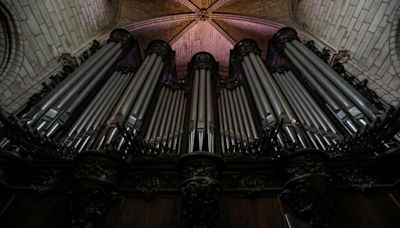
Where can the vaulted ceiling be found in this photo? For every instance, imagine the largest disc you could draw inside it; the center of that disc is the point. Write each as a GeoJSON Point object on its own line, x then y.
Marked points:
{"type": "Point", "coordinates": [204, 25]}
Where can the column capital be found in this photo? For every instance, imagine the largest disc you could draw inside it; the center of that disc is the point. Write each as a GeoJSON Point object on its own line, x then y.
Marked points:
{"type": "Point", "coordinates": [203, 60]}
{"type": "Point", "coordinates": [284, 35]}
{"type": "Point", "coordinates": [124, 37]}
{"type": "Point", "coordinates": [160, 48]}
{"type": "Point", "coordinates": [245, 47]}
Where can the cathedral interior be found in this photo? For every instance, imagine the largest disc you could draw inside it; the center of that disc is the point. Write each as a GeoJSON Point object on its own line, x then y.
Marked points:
{"type": "Point", "coordinates": [200, 113]}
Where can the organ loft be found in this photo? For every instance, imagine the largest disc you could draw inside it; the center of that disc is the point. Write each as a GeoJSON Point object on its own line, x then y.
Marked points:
{"type": "Point", "coordinates": [199, 114]}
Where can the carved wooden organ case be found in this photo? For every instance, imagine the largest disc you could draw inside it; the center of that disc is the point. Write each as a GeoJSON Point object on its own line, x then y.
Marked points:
{"type": "Point", "coordinates": [289, 131]}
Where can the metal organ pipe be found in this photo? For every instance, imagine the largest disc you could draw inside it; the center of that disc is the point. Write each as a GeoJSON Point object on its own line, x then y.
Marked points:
{"type": "Point", "coordinates": [201, 126]}
{"type": "Point", "coordinates": [164, 131]}
{"type": "Point", "coordinates": [360, 101]}
{"type": "Point", "coordinates": [339, 98]}
{"type": "Point", "coordinates": [332, 103]}
{"type": "Point", "coordinates": [52, 111]}
{"type": "Point", "coordinates": [43, 106]}
{"type": "Point", "coordinates": [132, 105]}
{"type": "Point", "coordinates": [267, 91]}
{"type": "Point", "coordinates": [350, 107]}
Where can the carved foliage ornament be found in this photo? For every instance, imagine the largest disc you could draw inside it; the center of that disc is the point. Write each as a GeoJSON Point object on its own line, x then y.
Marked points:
{"type": "Point", "coordinates": [356, 178]}
{"type": "Point", "coordinates": [306, 162]}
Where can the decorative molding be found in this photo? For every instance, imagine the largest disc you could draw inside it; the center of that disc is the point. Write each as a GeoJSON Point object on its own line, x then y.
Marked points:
{"type": "Point", "coordinates": [355, 178]}
{"type": "Point", "coordinates": [46, 180]}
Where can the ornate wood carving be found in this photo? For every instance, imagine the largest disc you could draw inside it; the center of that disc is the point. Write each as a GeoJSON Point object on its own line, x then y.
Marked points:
{"type": "Point", "coordinates": [94, 190]}
{"type": "Point", "coordinates": [200, 188]}
{"type": "Point", "coordinates": [307, 191]}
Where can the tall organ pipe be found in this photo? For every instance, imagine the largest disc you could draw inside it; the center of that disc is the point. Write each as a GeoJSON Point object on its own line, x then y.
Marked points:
{"type": "Point", "coordinates": [321, 75]}
{"type": "Point", "coordinates": [134, 101]}
{"type": "Point", "coordinates": [68, 105]}
{"type": "Point", "coordinates": [268, 93]}
{"type": "Point", "coordinates": [360, 101]}
{"type": "Point", "coordinates": [201, 127]}
{"type": "Point", "coordinates": [120, 42]}
{"type": "Point", "coordinates": [332, 103]}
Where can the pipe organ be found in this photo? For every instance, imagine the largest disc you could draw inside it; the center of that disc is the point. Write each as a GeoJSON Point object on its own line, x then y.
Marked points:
{"type": "Point", "coordinates": [258, 109]}
{"type": "Point", "coordinates": [113, 112]}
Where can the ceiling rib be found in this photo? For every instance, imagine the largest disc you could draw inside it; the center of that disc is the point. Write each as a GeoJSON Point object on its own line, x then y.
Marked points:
{"type": "Point", "coordinates": [174, 17]}
{"type": "Point", "coordinates": [222, 31]}
{"type": "Point", "coordinates": [216, 5]}
{"type": "Point", "coordinates": [190, 5]}
{"type": "Point", "coordinates": [183, 31]}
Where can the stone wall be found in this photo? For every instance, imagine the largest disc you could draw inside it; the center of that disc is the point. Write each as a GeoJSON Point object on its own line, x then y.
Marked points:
{"type": "Point", "coordinates": [42, 31]}
{"type": "Point", "coordinates": [369, 29]}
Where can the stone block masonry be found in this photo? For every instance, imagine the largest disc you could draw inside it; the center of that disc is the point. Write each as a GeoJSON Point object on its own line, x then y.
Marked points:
{"type": "Point", "coordinates": [44, 29]}
{"type": "Point", "coordinates": [369, 29]}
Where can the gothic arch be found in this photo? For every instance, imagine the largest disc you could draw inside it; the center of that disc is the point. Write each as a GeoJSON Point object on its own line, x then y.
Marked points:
{"type": "Point", "coordinates": [13, 53]}
{"type": "Point", "coordinates": [394, 43]}
{"type": "Point", "coordinates": [12, 38]}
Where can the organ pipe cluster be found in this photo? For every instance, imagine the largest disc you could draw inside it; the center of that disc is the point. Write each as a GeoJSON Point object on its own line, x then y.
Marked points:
{"type": "Point", "coordinates": [51, 113]}
{"type": "Point", "coordinates": [201, 117]}
{"type": "Point", "coordinates": [102, 106]}
{"type": "Point", "coordinates": [165, 131]}
{"type": "Point", "coordinates": [353, 110]}
{"type": "Point", "coordinates": [102, 102]}
{"type": "Point", "coordinates": [238, 131]}
{"type": "Point", "coordinates": [129, 112]}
